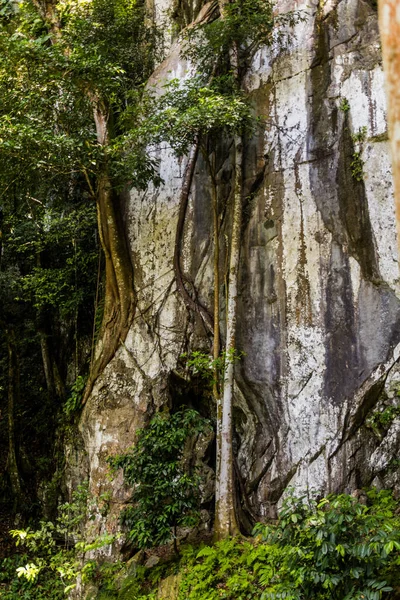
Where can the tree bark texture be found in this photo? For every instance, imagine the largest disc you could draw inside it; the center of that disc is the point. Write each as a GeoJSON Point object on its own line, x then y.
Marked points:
{"type": "Point", "coordinates": [54, 383]}
{"type": "Point", "coordinates": [225, 517]}
{"type": "Point", "coordinates": [13, 394]}
{"type": "Point", "coordinates": [119, 305]}
{"type": "Point", "coordinates": [47, 366]}
{"type": "Point", "coordinates": [216, 342]}
{"type": "Point", "coordinates": [389, 24]}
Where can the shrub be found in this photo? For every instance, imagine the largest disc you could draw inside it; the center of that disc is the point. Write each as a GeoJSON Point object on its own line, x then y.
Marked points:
{"type": "Point", "coordinates": [335, 549]}
{"type": "Point", "coordinates": [55, 554]}
{"type": "Point", "coordinates": [230, 569]}
{"type": "Point", "coordinates": [166, 492]}
{"type": "Point", "coordinates": [47, 586]}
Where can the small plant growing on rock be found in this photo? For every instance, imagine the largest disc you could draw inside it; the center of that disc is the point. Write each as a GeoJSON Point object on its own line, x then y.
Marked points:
{"type": "Point", "coordinates": [360, 136]}
{"type": "Point", "coordinates": [74, 402]}
{"type": "Point", "coordinates": [381, 420]}
{"type": "Point", "coordinates": [344, 105]}
{"type": "Point", "coordinates": [203, 365]}
{"type": "Point", "coordinates": [357, 164]}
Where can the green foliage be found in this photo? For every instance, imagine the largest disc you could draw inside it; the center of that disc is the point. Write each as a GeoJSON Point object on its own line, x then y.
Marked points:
{"type": "Point", "coordinates": [197, 106]}
{"type": "Point", "coordinates": [74, 402]}
{"type": "Point", "coordinates": [229, 570]}
{"type": "Point", "coordinates": [7, 9]}
{"type": "Point", "coordinates": [394, 465]}
{"type": "Point", "coordinates": [204, 366]}
{"type": "Point", "coordinates": [48, 586]}
{"type": "Point", "coordinates": [357, 166]}
{"type": "Point", "coordinates": [53, 72]}
{"type": "Point", "coordinates": [214, 102]}
{"type": "Point", "coordinates": [357, 163]}
{"type": "Point", "coordinates": [111, 42]}
{"type": "Point", "coordinates": [56, 553]}
{"type": "Point", "coordinates": [337, 549]}
{"type": "Point", "coordinates": [66, 234]}
{"type": "Point", "coordinates": [107, 49]}
{"type": "Point", "coordinates": [165, 485]}
{"type": "Point", "coordinates": [344, 105]}
{"type": "Point", "coordinates": [360, 136]}
{"type": "Point", "coordinates": [380, 421]}
{"type": "Point", "coordinates": [333, 549]}
{"type": "Point", "coordinates": [246, 25]}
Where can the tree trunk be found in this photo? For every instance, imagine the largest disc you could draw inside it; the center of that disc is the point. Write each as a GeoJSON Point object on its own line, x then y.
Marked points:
{"type": "Point", "coordinates": [225, 518]}
{"type": "Point", "coordinates": [389, 24]}
{"type": "Point", "coordinates": [54, 382]}
{"type": "Point", "coordinates": [47, 366]}
{"type": "Point", "coordinates": [216, 344]}
{"type": "Point", "coordinates": [13, 392]}
{"type": "Point", "coordinates": [216, 339]}
{"type": "Point", "coordinates": [119, 305]}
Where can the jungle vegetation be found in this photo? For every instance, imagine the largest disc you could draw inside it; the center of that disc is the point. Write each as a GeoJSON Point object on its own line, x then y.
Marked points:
{"type": "Point", "coordinates": [77, 129]}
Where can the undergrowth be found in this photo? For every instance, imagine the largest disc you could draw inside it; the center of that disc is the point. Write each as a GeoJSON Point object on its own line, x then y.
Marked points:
{"type": "Point", "coordinates": [336, 548]}
{"type": "Point", "coordinates": [48, 587]}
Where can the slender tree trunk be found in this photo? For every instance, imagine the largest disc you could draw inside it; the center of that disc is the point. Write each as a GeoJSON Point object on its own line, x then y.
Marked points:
{"type": "Point", "coordinates": [225, 517]}
{"type": "Point", "coordinates": [59, 384]}
{"type": "Point", "coordinates": [54, 382]}
{"type": "Point", "coordinates": [389, 24]}
{"type": "Point", "coordinates": [13, 392]}
{"type": "Point", "coordinates": [119, 305]}
{"type": "Point", "coordinates": [216, 339]}
{"type": "Point", "coordinates": [47, 366]}
{"type": "Point", "coordinates": [216, 344]}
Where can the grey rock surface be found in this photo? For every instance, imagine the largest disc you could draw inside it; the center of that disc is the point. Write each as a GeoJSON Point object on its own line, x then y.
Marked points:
{"type": "Point", "coordinates": [319, 316]}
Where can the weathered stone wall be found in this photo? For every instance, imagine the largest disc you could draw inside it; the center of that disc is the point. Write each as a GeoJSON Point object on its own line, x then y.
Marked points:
{"type": "Point", "coordinates": [319, 318]}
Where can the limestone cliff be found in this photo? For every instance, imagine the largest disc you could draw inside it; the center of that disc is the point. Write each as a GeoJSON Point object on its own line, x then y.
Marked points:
{"type": "Point", "coordinates": [319, 283]}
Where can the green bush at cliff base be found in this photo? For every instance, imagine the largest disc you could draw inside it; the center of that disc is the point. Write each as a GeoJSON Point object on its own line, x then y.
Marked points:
{"type": "Point", "coordinates": [165, 485]}
{"type": "Point", "coordinates": [49, 560]}
{"type": "Point", "coordinates": [334, 549]}
{"type": "Point", "coordinates": [337, 548]}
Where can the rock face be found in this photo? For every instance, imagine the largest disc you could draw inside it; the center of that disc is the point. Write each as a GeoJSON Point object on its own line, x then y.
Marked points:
{"type": "Point", "coordinates": [319, 317]}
